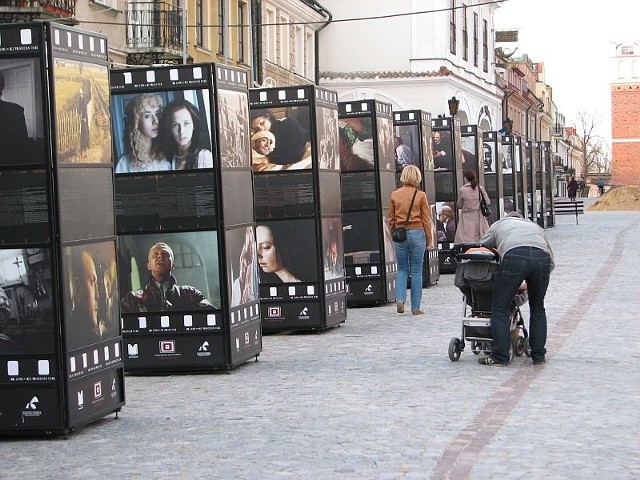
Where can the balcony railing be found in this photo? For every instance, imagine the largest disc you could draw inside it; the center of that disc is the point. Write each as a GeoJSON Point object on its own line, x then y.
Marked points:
{"type": "Point", "coordinates": [28, 10]}
{"type": "Point", "coordinates": [557, 129]}
{"type": "Point", "coordinates": [154, 26]}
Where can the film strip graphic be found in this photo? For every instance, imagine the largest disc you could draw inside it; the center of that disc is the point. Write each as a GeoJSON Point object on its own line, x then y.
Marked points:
{"type": "Point", "coordinates": [280, 96]}
{"type": "Point", "coordinates": [336, 307]}
{"type": "Point", "coordinates": [333, 287]}
{"type": "Point", "coordinates": [20, 39]}
{"type": "Point", "coordinates": [289, 292]}
{"type": "Point", "coordinates": [441, 123]}
{"type": "Point", "coordinates": [78, 44]}
{"type": "Point", "coordinates": [407, 117]}
{"type": "Point", "coordinates": [326, 98]}
{"type": "Point", "coordinates": [392, 267]}
{"type": "Point", "coordinates": [179, 76]}
{"type": "Point", "coordinates": [179, 323]}
{"type": "Point", "coordinates": [231, 77]}
{"type": "Point", "coordinates": [94, 359]}
{"type": "Point", "coordinates": [364, 271]}
{"type": "Point", "coordinates": [244, 314]}
{"type": "Point", "coordinates": [29, 370]}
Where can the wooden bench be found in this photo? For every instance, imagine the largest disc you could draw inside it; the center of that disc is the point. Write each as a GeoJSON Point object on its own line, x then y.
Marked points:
{"type": "Point", "coordinates": [565, 206]}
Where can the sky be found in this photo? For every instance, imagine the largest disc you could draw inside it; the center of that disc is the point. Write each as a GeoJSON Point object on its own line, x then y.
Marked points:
{"type": "Point", "coordinates": [573, 39]}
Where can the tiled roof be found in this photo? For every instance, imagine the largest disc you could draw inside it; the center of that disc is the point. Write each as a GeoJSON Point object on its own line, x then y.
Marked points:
{"type": "Point", "coordinates": [441, 72]}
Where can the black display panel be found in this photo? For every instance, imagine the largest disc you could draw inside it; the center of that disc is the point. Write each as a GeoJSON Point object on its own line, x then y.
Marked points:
{"type": "Point", "coordinates": [280, 138]}
{"type": "Point", "coordinates": [359, 191]}
{"type": "Point", "coordinates": [242, 266]}
{"type": "Point", "coordinates": [24, 207]}
{"type": "Point", "coordinates": [361, 237]}
{"type": "Point", "coordinates": [356, 144]}
{"type": "Point", "coordinates": [332, 248]}
{"type": "Point", "coordinates": [330, 192]}
{"type": "Point", "coordinates": [27, 323]}
{"type": "Point", "coordinates": [21, 105]}
{"type": "Point", "coordinates": [90, 294]}
{"type": "Point", "coordinates": [234, 128]}
{"type": "Point", "coordinates": [446, 221]}
{"type": "Point", "coordinates": [83, 133]}
{"type": "Point", "coordinates": [159, 131]}
{"type": "Point", "coordinates": [445, 185]}
{"type": "Point", "coordinates": [86, 203]}
{"type": "Point", "coordinates": [327, 135]}
{"type": "Point", "coordinates": [283, 251]}
{"type": "Point", "coordinates": [284, 195]}
{"type": "Point", "coordinates": [187, 263]}
{"type": "Point", "coordinates": [237, 201]}
{"type": "Point", "coordinates": [166, 201]}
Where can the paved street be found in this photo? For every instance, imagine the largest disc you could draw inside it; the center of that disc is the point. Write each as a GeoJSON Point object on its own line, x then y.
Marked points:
{"type": "Point", "coordinates": [378, 397]}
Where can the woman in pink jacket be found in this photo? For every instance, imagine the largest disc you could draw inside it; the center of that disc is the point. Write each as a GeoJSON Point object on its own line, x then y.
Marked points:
{"type": "Point", "coordinates": [471, 224]}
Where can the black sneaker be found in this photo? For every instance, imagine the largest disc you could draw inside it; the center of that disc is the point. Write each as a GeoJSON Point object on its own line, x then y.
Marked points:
{"type": "Point", "coordinates": [491, 361]}
{"type": "Point", "coordinates": [538, 361]}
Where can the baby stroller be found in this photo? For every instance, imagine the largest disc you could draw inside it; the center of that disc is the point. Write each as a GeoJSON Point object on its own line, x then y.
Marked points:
{"type": "Point", "coordinates": [474, 277]}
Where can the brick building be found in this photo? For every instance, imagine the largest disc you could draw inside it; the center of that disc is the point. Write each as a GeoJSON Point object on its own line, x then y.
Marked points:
{"type": "Point", "coordinates": [625, 110]}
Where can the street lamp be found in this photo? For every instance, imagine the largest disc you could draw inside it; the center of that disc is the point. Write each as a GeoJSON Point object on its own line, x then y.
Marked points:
{"type": "Point", "coordinates": [454, 103]}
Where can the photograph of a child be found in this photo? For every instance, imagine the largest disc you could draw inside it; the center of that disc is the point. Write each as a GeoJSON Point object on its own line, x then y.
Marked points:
{"type": "Point", "coordinates": [280, 138]}
{"type": "Point", "coordinates": [162, 131]}
{"type": "Point", "coordinates": [333, 248]}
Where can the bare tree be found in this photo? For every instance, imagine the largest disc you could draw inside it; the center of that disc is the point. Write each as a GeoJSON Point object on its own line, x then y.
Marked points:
{"type": "Point", "coordinates": [595, 152]}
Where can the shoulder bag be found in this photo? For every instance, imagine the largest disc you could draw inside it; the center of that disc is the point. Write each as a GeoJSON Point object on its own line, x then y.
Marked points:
{"type": "Point", "coordinates": [400, 234]}
{"type": "Point", "coordinates": [484, 208]}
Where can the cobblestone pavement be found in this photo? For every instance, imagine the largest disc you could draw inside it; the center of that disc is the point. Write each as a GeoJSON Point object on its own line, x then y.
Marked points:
{"type": "Point", "coordinates": [378, 397]}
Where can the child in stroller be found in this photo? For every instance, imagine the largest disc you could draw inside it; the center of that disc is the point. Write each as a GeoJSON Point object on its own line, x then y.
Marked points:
{"type": "Point", "coordinates": [474, 277]}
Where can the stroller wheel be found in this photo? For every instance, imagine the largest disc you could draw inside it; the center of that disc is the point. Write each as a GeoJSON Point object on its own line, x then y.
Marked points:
{"type": "Point", "coordinates": [455, 349]}
{"type": "Point", "coordinates": [519, 346]}
{"type": "Point", "coordinates": [475, 347]}
{"type": "Point", "coordinates": [527, 347]}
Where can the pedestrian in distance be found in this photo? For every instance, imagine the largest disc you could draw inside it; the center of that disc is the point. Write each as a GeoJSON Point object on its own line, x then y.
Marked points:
{"type": "Point", "coordinates": [572, 189]}
{"type": "Point", "coordinates": [525, 256]}
{"type": "Point", "coordinates": [472, 224]}
{"type": "Point", "coordinates": [410, 253]}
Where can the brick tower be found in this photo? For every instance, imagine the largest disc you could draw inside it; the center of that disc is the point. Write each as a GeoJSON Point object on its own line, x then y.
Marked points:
{"type": "Point", "coordinates": [625, 109]}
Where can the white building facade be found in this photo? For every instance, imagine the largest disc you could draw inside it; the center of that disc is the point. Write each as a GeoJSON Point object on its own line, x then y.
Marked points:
{"type": "Point", "coordinates": [414, 54]}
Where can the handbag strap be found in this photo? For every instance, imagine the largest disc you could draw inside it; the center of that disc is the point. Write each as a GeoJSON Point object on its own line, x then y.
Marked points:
{"type": "Point", "coordinates": [481, 195]}
{"type": "Point", "coordinates": [410, 207]}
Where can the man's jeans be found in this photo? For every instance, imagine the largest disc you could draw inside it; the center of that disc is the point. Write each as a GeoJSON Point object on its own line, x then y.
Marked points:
{"type": "Point", "coordinates": [410, 254]}
{"type": "Point", "coordinates": [518, 264]}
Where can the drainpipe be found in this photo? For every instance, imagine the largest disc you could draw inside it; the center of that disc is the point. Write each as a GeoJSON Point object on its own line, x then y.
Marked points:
{"type": "Point", "coordinates": [320, 9]}
{"type": "Point", "coordinates": [256, 42]}
{"type": "Point", "coordinates": [526, 130]}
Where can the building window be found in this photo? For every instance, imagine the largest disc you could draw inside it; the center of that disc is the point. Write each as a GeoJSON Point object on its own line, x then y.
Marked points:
{"type": "Point", "coordinates": [242, 32]}
{"type": "Point", "coordinates": [270, 37]}
{"type": "Point", "coordinates": [284, 46]}
{"type": "Point", "coordinates": [221, 26]}
{"type": "Point", "coordinates": [199, 23]}
{"type": "Point", "coordinates": [452, 28]}
{"type": "Point", "coordinates": [310, 56]}
{"type": "Point", "coordinates": [299, 50]}
{"type": "Point", "coordinates": [465, 34]}
{"type": "Point", "coordinates": [485, 46]}
{"type": "Point", "coordinates": [475, 39]}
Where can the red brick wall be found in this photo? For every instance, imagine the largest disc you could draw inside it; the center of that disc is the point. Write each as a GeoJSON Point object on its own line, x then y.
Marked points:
{"type": "Point", "coordinates": [625, 125]}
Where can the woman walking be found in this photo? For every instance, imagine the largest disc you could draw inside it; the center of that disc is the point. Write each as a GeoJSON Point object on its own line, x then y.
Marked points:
{"type": "Point", "coordinates": [472, 224]}
{"type": "Point", "coordinates": [410, 209]}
